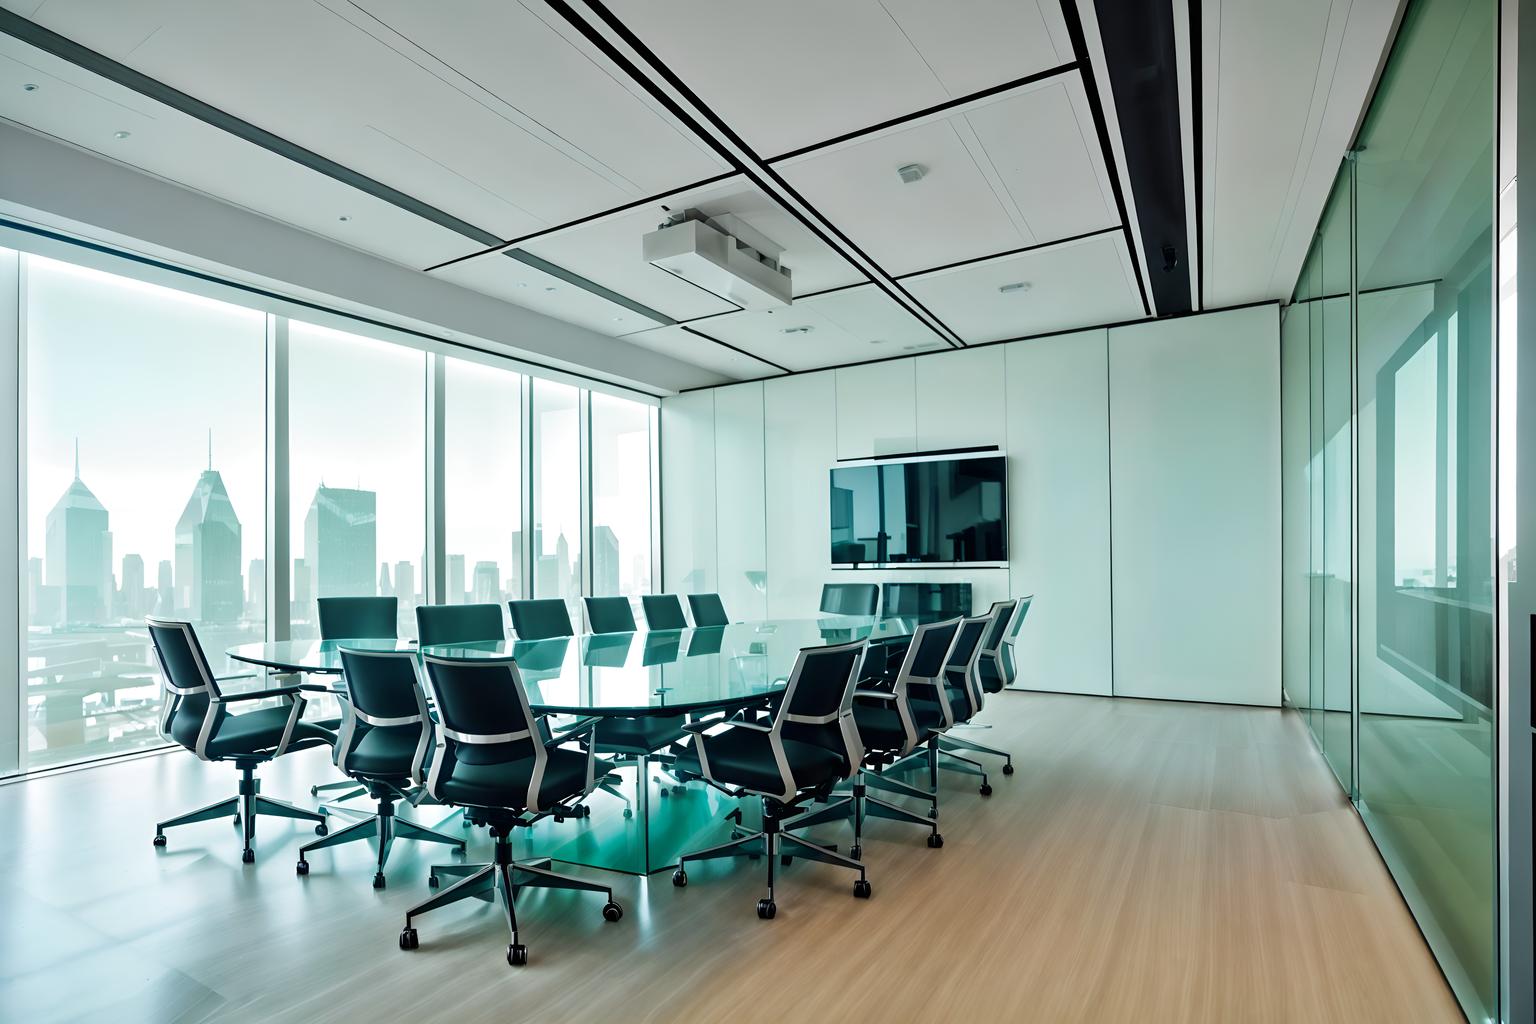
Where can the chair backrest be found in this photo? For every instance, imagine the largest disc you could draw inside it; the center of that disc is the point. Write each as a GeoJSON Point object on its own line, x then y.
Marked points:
{"type": "Point", "coordinates": [459, 623]}
{"type": "Point", "coordinates": [817, 706]}
{"type": "Point", "coordinates": [188, 714]}
{"type": "Point", "coordinates": [850, 598]}
{"type": "Point", "coordinates": [1018, 618]}
{"type": "Point", "coordinates": [960, 665]}
{"type": "Point", "coordinates": [383, 692]}
{"type": "Point", "coordinates": [931, 643]}
{"type": "Point", "coordinates": [708, 610]}
{"type": "Point", "coordinates": [541, 619]}
{"type": "Point", "coordinates": [358, 618]}
{"type": "Point", "coordinates": [663, 611]}
{"type": "Point", "coordinates": [483, 718]}
{"type": "Point", "coordinates": [1001, 614]}
{"type": "Point", "coordinates": [610, 614]}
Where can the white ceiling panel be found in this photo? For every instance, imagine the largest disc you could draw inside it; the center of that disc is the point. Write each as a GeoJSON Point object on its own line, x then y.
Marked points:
{"type": "Point", "coordinates": [1075, 284]}
{"type": "Point", "coordinates": [1014, 171]}
{"type": "Point", "coordinates": [506, 278]}
{"type": "Point", "coordinates": [848, 326]}
{"type": "Point", "coordinates": [329, 77]}
{"type": "Point", "coordinates": [690, 347]}
{"type": "Point", "coordinates": [79, 108]}
{"type": "Point", "coordinates": [608, 250]}
{"type": "Point", "coordinates": [797, 72]}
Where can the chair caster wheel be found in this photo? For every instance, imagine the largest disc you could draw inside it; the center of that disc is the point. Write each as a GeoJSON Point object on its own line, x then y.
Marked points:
{"type": "Point", "coordinates": [679, 878]}
{"type": "Point", "coordinates": [586, 812]}
{"type": "Point", "coordinates": [679, 788]}
{"type": "Point", "coordinates": [665, 792]}
{"type": "Point", "coordinates": [935, 841]}
{"type": "Point", "coordinates": [862, 889]}
{"type": "Point", "coordinates": [322, 830]}
{"type": "Point", "coordinates": [785, 860]}
{"type": "Point", "coordinates": [408, 938]}
{"type": "Point", "coordinates": [559, 817]}
{"type": "Point", "coordinates": [1008, 768]}
{"type": "Point", "coordinates": [235, 821]}
{"type": "Point", "coordinates": [432, 882]}
{"type": "Point", "coordinates": [766, 909]}
{"type": "Point", "coordinates": [856, 852]}
{"type": "Point", "coordinates": [933, 812]}
{"type": "Point", "coordinates": [517, 954]}
{"type": "Point", "coordinates": [628, 813]}
{"type": "Point", "coordinates": [159, 840]}
{"type": "Point", "coordinates": [465, 823]}
{"type": "Point", "coordinates": [612, 911]}
{"type": "Point", "coordinates": [314, 790]}
{"type": "Point", "coordinates": [248, 856]}
{"type": "Point", "coordinates": [378, 880]}
{"type": "Point", "coordinates": [301, 868]}
{"type": "Point", "coordinates": [985, 790]}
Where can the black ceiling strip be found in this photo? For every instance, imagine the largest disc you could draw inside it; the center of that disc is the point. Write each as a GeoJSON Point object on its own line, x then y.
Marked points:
{"type": "Point", "coordinates": [738, 351]}
{"type": "Point", "coordinates": [1001, 341]}
{"type": "Point", "coordinates": [937, 108]}
{"type": "Point", "coordinates": [1141, 58]}
{"type": "Point", "coordinates": [760, 174]}
{"type": "Point", "coordinates": [1096, 107]}
{"type": "Point", "coordinates": [571, 278]}
{"type": "Point", "coordinates": [1197, 137]}
{"type": "Point", "coordinates": [67, 49]}
{"type": "Point", "coordinates": [198, 275]}
{"type": "Point", "coordinates": [1011, 252]}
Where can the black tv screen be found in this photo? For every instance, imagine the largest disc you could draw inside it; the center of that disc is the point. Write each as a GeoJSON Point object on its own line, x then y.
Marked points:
{"type": "Point", "coordinates": [949, 510]}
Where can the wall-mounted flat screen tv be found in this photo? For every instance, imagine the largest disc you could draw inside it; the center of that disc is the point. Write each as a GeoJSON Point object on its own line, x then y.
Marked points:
{"type": "Point", "coordinates": [934, 510]}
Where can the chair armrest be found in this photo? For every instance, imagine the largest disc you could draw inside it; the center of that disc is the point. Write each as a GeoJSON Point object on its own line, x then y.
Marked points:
{"type": "Point", "coordinates": [237, 675]}
{"type": "Point", "coordinates": [884, 695]}
{"type": "Point", "coordinates": [575, 729]}
{"type": "Point", "coordinates": [700, 728]}
{"type": "Point", "coordinates": [276, 691]}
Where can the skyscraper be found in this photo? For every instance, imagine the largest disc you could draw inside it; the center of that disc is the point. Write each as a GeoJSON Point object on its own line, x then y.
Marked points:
{"type": "Point", "coordinates": [455, 593]}
{"type": "Point", "coordinates": [209, 587]}
{"type": "Point", "coordinates": [79, 554]}
{"type": "Point", "coordinates": [386, 589]}
{"type": "Point", "coordinates": [605, 561]}
{"type": "Point", "coordinates": [487, 583]}
{"type": "Point", "coordinates": [131, 595]}
{"type": "Point", "coordinates": [256, 589]}
{"type": "Point", "coordinates": [165, 593]}
{"type": "Point", "coordinates": [515, 567]}
{"type": "Point", "coordinates": [340, 542]}
{"type": "Point", "coordinates": [303, 593]}
{"type": "Point", "coordinates": [405, 583]}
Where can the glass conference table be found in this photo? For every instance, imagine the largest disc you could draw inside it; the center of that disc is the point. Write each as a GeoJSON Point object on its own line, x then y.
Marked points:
{"type": "Point", "coordinates": [665, 672]}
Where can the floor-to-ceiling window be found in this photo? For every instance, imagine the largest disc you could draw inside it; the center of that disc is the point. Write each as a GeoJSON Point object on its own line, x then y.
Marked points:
{"type": "Point", "coordinates": [145, 495]}
{"type": "Point", "coordinates": [155, 419]}
{"type": "Point", "coordinates": [1414, 740]}
{"type": "Point", "coordinates": [482, 483]}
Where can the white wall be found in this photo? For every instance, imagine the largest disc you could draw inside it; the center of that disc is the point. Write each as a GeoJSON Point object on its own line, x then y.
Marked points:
{"type": "Point", "coordinates": [1048, 403]}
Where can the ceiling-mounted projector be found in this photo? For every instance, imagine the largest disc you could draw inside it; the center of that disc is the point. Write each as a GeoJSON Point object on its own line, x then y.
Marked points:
{"type": "Point", "coordinates": [723, 255]}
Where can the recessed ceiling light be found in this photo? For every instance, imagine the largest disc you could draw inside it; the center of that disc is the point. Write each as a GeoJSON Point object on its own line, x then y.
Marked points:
{"type": "Point", "coordinates": [618, 319]}
{"type": "Point", "coordinates": [344, 218]}
{"type": "Point", "coordinates": [911, 172]}
{"type": "Point", "coordinates": [1015, 287]}
{"type": "Point", "coordinates": [802, 329]}
{"type": "Point", "coordinates": [912, 348]}
{"type": "Point", "coordinates": [29, 87]}
{"type": "Point", "coordinates": [549, 288]}
{"type": "Point", "coordinates": [877, 341]}
{"type": "Point", "coordinates": [121, 135]}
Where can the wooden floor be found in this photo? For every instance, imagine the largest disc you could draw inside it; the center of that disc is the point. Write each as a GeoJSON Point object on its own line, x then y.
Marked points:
{"type": "Point", "coordinates": [1149, 862]}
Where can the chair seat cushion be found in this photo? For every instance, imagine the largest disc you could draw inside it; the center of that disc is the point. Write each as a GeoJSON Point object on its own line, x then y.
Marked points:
{"type": "Point", "coordinates": [505, 783]}
{"type": "Point", "coordinates": [880, 726]}
{"type": "Point", "coordinates": [927, 710]}
{"type": "Point", "coordinates": [643, 735]}
{"type": "Point", "coordinates": [384, 753]}
{"type": "Point", "coordinates": [255, 732]}
{"type": "Point", "coordinates": [744, 757]}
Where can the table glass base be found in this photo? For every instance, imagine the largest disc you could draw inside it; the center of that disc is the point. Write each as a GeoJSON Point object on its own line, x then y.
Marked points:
{"type": "Point", "coordinates": [666, 821]}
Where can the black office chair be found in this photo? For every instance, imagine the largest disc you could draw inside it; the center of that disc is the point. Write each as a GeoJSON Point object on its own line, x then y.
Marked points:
{"type": "Point", "coordinates": [663, 611]}
{"type": "Point", "coordinates": [541, 619]}
{"type": "Point", "coordinates": [386, 734]}
{"type": "Point", "coordinates": [491, 758]}
{"type": "Point", "coordinates": [811, 744]}
{"type": "Point", "coordinates": [610, 614]}
{"type": "Point", "coordinates": [850, 598]}
{"type": "Point", "coordinates": [892, 728]}
{"type": "Point", "coordinates": [955, 697]}
{"type": "Point", "coordinates": [354, 618]}
{"type": "Point", "coordinates": [989, 679]}
{"type": "Point", "coordinates": [459, 624]}
{"type": "Point", "coordinates": [197, 714]}
{"type": "Point", "coordinates": [1007, 662]}
{"type": "Point", "coordinates": [358, 618]}
{"type": "Point", "coordinates": [708, 610]}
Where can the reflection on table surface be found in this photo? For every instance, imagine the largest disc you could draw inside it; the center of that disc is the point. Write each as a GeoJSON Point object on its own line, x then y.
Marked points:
{"type": "Point", "coordinates": [661, 671]}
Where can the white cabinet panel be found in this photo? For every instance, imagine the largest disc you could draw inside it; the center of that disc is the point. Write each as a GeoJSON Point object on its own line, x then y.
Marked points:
{"type": "Point", "coordinates": [740, 538]}
{"type": "Point", "coordinates": [799, 444]}
{"type": "Point", "coordinates": [1195, 492]}
{"type": "Point", "coordinates": [688, 492]}
{"type": "Point", "coordinates": [960, 401]}
{"type": "Point", "coordinates": [876, 409]}
{"type": "Point", "coordinates": [1058, 509]}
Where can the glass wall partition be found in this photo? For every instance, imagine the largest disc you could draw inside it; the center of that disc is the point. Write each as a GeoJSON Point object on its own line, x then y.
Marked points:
{"type": "Point", "coordinates": [621, 489]}
{"type": "Point", "coordinates": [1402, 418]}
{"type": "Point", "coordinates": [482, 483]}
{"type": "Point", "coordinates": [145, 495]}
{"type": "Point", "coordinates": [557, 565]}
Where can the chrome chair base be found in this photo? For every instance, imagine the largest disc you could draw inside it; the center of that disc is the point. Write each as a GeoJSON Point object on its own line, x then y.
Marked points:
{"type": "Point", "coordinates": [384, 825]}
{"type": "Point", "coordinates": [951, 743]}
{"type": "Point", "coordinates": [244, 808]}
{"type": "Point", "coordinates": [859, 805]}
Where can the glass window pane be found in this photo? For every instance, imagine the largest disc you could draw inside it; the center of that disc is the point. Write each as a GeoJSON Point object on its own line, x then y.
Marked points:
{"type": "Point", "coordinates": [357, 471]}
{"type": "Point", "coordinates": [557, 493]}
{"type": "Point", "coordinates": [482, 483]}
{"type": "Point", "coordinates": [145, 495]}
{"type": "Point", "coordinates": [621, 497]}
